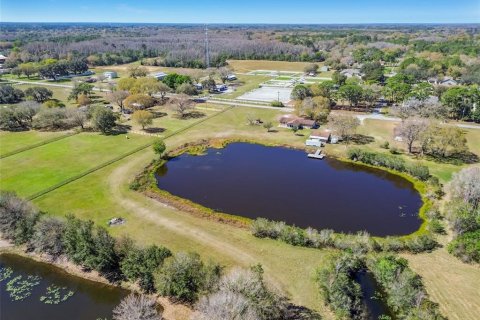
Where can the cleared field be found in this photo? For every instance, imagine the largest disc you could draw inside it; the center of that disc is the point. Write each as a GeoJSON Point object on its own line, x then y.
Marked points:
{"type": "Point", "coordinates": [452, 284]}
{"type": "Point", "coordinates": [251, 65]}
{"type": "Point", "coordinates": [34, 170]}
{"type": "Point", "coordinates": [11, 141]}
{"type": "Point", "coordinates": [268, 94]}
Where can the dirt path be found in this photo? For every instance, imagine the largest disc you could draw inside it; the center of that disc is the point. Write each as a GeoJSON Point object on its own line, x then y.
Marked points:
{"type": "Point", "coordinates": [153, 213]}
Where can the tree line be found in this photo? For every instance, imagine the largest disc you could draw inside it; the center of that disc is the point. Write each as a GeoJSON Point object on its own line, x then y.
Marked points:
{"type": "Point", "coordinates": [183, 277]}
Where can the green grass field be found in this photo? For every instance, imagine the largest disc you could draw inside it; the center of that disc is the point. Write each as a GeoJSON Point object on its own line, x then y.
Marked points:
{"type": "Point", "coordinates": [104, 194]}
{"type": "Point", "coordinates": [34, 170]}
{"type": "Point", "coordinates": [10, 142]}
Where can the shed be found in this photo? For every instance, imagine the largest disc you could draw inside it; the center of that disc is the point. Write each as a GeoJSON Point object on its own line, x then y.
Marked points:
{"type": "Point", "coordinates": [321, 135]}
{"type": "Point", "coordinates": [110, 75]}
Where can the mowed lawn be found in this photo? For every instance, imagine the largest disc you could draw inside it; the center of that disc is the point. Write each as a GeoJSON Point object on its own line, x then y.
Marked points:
{"type": "Point", "coordinates": [11, 141]}
{"type": "Point", "coordinates": [34, 170]}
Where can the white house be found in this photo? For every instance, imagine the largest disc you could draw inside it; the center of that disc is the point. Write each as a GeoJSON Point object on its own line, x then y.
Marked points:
{"type": "Point", "coordinates": [349, 73]}
{"type": "Point", "coordinates": [110, 75]}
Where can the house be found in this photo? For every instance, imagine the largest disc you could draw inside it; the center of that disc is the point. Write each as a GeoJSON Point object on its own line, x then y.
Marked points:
{"type": "Point", "coordinates": [446, 81]}
{"type": "Point", "coordinates": [324, 68]}
{"type": "Point", "coordinates": [159, 75]}
{"type": "Point", "coordinates": [321, 135]}
{"type": "Point", "coordinates": [231, 77]}
{"type": "Point", "coordinates": [293, 122]}
{"type": "Point", "coordinates": [349, 73]}
{"type": "Point", "coordinates": [2, 59]}
{"type": "Point", "coordinates": [110, 75]}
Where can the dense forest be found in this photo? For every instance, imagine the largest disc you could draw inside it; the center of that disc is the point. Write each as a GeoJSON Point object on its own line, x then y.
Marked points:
{"type": "Point", "coordinates": [184, 45]}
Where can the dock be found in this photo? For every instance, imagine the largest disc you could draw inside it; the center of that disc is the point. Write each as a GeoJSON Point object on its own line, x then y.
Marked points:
{"type": "Point", "coordinates": [317, 155]}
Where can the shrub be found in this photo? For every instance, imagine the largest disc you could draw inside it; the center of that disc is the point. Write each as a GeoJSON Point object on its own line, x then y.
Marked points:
{"type": "Point", "coordinates": [278, 104]}
{"type": "Point", "coordinates": [421, 243]}
{"type": "Point", "coordinates": [466, 246]}
{"type": "Point", "coordinates": [388, 161]}
{"type": "Point", "coordinates": [385, 145]}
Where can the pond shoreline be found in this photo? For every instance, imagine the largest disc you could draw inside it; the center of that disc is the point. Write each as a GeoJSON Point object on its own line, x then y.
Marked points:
{"type": "Point", "coordinates": [150, 189]}
{"type": "Point", "coordinates": [171, 311]}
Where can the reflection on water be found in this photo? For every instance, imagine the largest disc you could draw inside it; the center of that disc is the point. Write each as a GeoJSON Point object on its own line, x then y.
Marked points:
{"type": "Point", "coordinates": [283, 184]}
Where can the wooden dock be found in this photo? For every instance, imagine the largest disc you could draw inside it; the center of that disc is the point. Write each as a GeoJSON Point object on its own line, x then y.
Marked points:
{"type": "Point", "coordinates": [317, 155]}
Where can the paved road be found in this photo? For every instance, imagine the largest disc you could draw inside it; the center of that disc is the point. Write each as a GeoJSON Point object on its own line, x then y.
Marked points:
{"type": "Point", "coordinates": [242, 104]}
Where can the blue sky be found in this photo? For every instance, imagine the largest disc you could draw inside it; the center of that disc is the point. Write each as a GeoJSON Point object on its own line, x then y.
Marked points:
{"type": "Point", "coordinates": [242, 11]}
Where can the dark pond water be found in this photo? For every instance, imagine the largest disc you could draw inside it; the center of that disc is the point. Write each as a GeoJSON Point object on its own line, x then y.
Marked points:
{"type": "Point", "coordinates": [283, 184]}
{"type": "Point", "coordinates": [90, 300]}
{"type": "Point", "coordinates": [375, 305]}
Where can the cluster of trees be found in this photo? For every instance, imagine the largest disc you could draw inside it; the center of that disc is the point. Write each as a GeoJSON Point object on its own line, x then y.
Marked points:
{"type": "Point", "coordinates": [361, 242]}
{"type": "Point", "coordinates": [463, 214]}
{"type": "Point", "coordinates": [51, 68]}
{"type": "Point", "coordinates": [389, 161]}
{"type": "Point", "coordinates": [170, 46]}
{"type": "Point", "coordinates": [403, 290]}
{"type": "Point", "coordinates": [432, 138]}
{"type": "Point", "coordinates": [30, 114]}
{"type": "Point", "coordinates": [183, 277]}
{"type": "Point", "coordinates": [341, 292]}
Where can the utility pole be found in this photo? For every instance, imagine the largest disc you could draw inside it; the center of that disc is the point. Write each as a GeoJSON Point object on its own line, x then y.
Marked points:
{"type": "Point", "coordinates": [207, 49]}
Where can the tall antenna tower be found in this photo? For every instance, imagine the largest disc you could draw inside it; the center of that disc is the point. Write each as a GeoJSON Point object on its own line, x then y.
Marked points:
{"type": "Point", "coordinates": [207, 49]}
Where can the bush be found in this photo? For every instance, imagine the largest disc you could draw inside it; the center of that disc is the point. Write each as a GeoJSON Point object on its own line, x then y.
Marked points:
{"type": "Point", "coordinates": [385, 145]}
{"type": "Point", "coordinates": [388, 161]}
{"type": "Point", "coordinates": [421, 243]}
{"type": "Point", "coordinates": [52, 119]}
{"type": "Point", "coordinates": [278, 104]}
{"type": "Point", "coordinates": [466, 247]}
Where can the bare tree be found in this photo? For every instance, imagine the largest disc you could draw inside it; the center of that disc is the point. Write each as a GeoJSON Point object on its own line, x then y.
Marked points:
{"type": "Point", "coordinates": [268, 125]}
{"type": "Point", "coordinates": [163, 89]}
{"type": "Point", "coordinates": [411, 131]}
{"type": "Point", "coordinates": [118, 97]}
{"type": "Point", "coordinates": [343, 125]}
{"type": "Point", "coordinates": [182, 105]}
{"type": "Point", "coordinates": [136, 307]}
{"type": "Point", "coordinates": [465, 185]}
{"type": "Point", "coordinates": [224, 72]}
{"type": "Point", "coordinates": [224, 305]}
{"type": "Point", "coordinates": [77, 117]}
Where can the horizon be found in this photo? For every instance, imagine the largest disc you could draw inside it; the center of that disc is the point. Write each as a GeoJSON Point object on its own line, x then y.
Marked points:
{"type": "Point", "coordinates": [269, 12]}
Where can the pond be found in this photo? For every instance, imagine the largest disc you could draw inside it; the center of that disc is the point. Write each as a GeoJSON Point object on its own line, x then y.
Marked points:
{"type": "Point", "coordinates": [282, 184]}
{"type": "Point", "coordinates": [375, 304]}
{"type": "Point", "coordinates": [90, 300]}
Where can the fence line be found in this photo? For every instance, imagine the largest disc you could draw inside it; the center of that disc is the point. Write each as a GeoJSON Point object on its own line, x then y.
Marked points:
{"type": "Point", "coordinates": [36, 145]}
{"type": "Point", "coordinates": [109, 162]}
